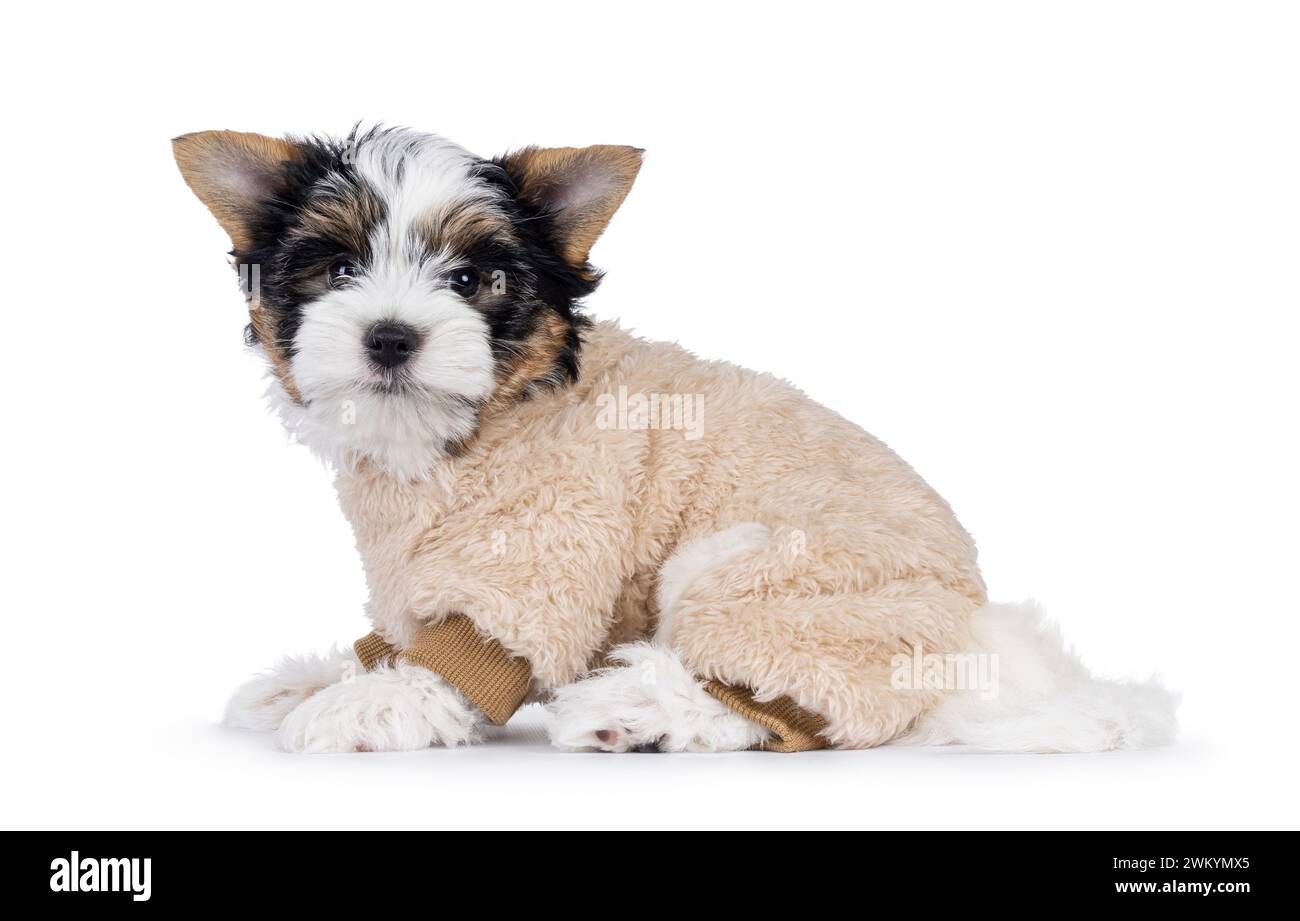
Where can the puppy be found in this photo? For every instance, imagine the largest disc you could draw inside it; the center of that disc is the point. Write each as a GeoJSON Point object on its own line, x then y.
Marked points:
{"type": "Point", "coordinates": [674, 554]}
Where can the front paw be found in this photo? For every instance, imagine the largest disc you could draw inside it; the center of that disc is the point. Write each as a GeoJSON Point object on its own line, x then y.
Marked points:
{"type": "Point", "coordinates": [402, 708]}
{"type": "Point", "coordinates": [263, 703]}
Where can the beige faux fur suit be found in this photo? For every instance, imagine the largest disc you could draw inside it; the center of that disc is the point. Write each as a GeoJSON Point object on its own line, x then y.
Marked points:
{"type": "Point", "coordinates": [552, 529]}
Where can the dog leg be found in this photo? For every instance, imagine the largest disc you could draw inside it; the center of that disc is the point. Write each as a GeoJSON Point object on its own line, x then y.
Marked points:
{"type": "Point", "coordinates": [805, 618]}
{"type": "Point", "coordinates": [651, 700]}
{"type": "Point", "coordinates": [263, 703]}
{"type": "Point", "coordinates": [402, 707]}
{"type": "Point", "coordinates": [700, 557]}
{"type": "Point", "coordinates": [784, 613]}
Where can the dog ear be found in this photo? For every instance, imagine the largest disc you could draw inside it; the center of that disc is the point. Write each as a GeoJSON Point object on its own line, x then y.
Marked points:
{"type": "Point", "coordinates": [235, 174]}
{"type": "Point", "coordinates": [579, 187]}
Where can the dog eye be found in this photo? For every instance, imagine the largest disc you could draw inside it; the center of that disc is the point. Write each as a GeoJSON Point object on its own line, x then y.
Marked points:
{"type": "Point", "coordinates": [464, 281]}
{"type": "Point", "coordinates": [341, 271]}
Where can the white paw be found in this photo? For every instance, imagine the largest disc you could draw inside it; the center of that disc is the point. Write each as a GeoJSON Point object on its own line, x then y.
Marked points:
{"type": "Point", "coordinates": [264, 702]}
{"type": "Point", "coordinates": [399, 708]}
{"type": "Point", "coordinates": [651, 702]}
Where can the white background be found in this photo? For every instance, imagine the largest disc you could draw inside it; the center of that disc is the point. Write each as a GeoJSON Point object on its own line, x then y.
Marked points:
{"type": "Point", "coordinates": [1048, 252]}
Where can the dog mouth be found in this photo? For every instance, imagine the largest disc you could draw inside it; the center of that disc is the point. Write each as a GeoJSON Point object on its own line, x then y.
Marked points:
{"type": "Point", "coordinates": [386, 382]}
{"type": "Point", "coordinates": [397, 385]}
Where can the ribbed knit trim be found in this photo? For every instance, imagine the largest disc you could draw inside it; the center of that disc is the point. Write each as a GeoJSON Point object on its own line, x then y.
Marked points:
{"type": "Point", "coordinates": [793, 728]}
{"type": "Point", "coordinates": [477, 666]}
{"type": "Point", "coordinates": [371, 650]}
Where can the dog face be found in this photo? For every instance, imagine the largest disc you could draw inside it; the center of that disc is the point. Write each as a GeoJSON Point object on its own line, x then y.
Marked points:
{"type": "Point", "coordinates": [399, 286]}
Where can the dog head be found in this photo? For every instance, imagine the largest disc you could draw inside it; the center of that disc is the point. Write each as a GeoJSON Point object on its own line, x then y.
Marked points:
{"type": "Point", "coordinates": [399, 286]}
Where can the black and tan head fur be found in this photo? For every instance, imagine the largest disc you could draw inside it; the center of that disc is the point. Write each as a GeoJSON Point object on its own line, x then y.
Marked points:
{"type": "Point", "coordinates": [399, 285]}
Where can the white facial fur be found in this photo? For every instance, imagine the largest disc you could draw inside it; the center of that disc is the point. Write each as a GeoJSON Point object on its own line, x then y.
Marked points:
{"type": "Point", "coordinates": [345, 414]}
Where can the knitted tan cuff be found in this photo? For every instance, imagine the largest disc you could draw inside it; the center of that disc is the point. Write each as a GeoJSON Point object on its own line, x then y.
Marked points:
{"type": "Point", "coordinates": [477, 666]}
{"type": "Point", "coordinates": [793, 728]}
{"type": "Point", "coordinates": [371, 650]}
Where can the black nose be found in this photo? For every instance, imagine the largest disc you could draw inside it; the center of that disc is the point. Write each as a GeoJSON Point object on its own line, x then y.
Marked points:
{"type": "Point", "coordinates": [390, 344]}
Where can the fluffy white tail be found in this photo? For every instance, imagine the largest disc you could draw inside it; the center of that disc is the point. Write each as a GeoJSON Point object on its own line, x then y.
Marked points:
{"type": "Point", "coordinates": [1044, 700]}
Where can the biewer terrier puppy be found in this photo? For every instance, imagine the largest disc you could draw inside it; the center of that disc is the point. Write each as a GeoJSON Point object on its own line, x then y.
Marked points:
{"type": "Point", "coordinates": [671, 553]}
